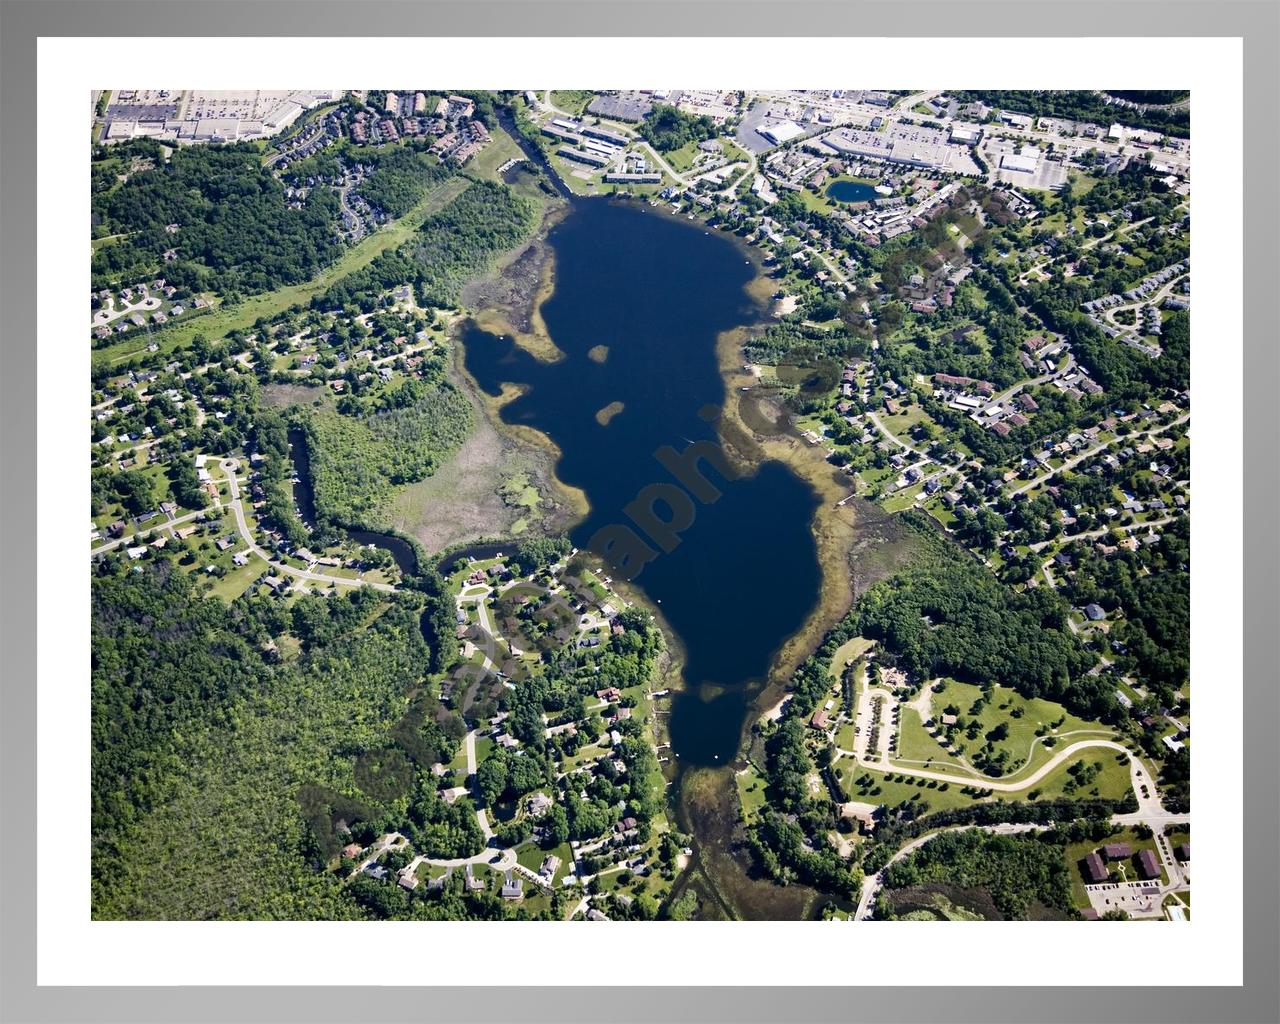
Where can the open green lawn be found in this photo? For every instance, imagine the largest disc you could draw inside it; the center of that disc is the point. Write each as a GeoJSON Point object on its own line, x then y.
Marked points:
{"type": "Point", "coordinates": [1025, 751]}
{"type": "Point", "coordinates": [238, 579]}
{"type": "Point", "coordinates": [105, 240]}
{"type": "Point", "coordinates": [901, 424]}
{"type": "Point", "coordinates": [751, 786]}
{"type": "Point", "coordinates": [1111, 781]}
{"type": "Point", "coordinates": [569, 172]}
{"type": "Point", "coordinates": [936, 508]}
{"type": "Point", "coordinates": [531, 856]}
{"type": "Point", "coordinates": [902, 499]}
{"type": "Point", "coordinates": [917, 747]}
{"type": "Point", "coordinates": [847, 653]}
{"type": "Point", "coordinates": [459, 762]}
{"type": "Point", "coordinates": [879, 790]}
{"type": "Point", "coordinates": [682, 159]}
{"type": "Point", "coordinates": [872, 477]}
{"type": "Point", "coordinates": [243, 315]}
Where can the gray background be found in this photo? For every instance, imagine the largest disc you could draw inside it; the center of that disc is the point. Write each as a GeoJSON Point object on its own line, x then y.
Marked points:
{"type": "Point", "coordinates": [1258, 1000]}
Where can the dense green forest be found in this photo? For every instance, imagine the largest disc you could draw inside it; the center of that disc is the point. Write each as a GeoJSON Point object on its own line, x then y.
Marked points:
{"type": "Point", "coordinates": [202, 737]}
{"type": "Point", "coordinates": [1079, 105]}
{"type": "Point", "coordinates": [357, 459]}
{"type": "Point", "coordinates": [452, 246]}
{"type": "Point", "coordinates": [1152, 588]}
{"type": "Point", "coordinates": [1018, 872]}
{"type": "Point", "coordinates": [946, 615]}
{"type": "Point", "coordinates": [236, 232]}
{"type": "Point", "coordinates": [464, 238]}
{"type": "Point", "coordinates": [667, 128]}
{"type": "Point", "coordinates": [1155, 97]}
{"type": "Point", "coordinates": [236, 748]}
{"type": "Point", "coordinates": [401, 177]}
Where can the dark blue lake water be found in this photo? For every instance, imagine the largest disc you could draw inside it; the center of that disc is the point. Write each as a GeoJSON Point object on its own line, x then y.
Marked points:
{"type": "Point", "coordinates": [743, 575]}
{"type": "Point", "coordinates": [851, 192]}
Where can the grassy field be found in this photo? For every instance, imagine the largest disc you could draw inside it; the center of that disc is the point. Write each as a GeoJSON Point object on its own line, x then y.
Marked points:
{"type": "Point", "coordinates": [682, 159]}
{"type": "Point", "coordinates": [566, 169]}
{"type": "Point", "coordinates": [1022, 716]}
{"type": "Point", "coordinates": [750, 791]}
{"type": "Point", "coordinates": [902, 423]}
{"type": "Point", "coordinates": [916, 745]}
{"type": "Point", "coordinates": [501, 148]}
{"type": "Point", "coordinates": [938, 509]}
{"type": "Point", "coordinates": [847, 653]}
{"type": "Point", "coordinates": [902, 499]}
{"type": "Point", "coordinates": [243, 315]}
{"type": "Point", "coordinates": [573, 101]}
{"type": "Point", "coordinates": [880, 790]}
{"type": "Point", "coordinates": [238, 580]}
{"type": "Point", "coordinates": [531, 856]}
{"type": "Point", "coordinates": [1112, 781]}
{"type": "Point", "coordinates": [872, 477]}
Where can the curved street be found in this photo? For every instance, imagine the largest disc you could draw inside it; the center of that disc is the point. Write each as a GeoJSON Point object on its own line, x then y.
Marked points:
{"type": "Point", "coordinates": [230, 466]}
{"type": "Point", "coordinates": [985, 783]}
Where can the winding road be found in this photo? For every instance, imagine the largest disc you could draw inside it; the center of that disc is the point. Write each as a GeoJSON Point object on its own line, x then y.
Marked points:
{"type": "Point", "coordinates": [230, 466]}
{"type": "Point", "coordinates": [1065, 754]}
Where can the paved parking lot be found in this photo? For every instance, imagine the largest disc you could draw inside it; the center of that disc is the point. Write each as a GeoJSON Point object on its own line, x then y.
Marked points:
{"type": "Point", "coordinates": [1137, 899]}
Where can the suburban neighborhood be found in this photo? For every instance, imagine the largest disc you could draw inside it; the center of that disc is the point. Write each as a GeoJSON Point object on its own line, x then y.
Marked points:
{"type": "Point", "coordinates": [970, 333]}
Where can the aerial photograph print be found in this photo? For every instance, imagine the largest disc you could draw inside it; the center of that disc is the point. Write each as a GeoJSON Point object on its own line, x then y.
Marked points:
{"type": "Point", "coordinates": [654, 505]}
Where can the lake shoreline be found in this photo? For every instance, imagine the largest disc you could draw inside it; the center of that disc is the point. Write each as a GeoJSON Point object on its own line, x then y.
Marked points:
{"type": "Point", "coordinates": [703, 799]}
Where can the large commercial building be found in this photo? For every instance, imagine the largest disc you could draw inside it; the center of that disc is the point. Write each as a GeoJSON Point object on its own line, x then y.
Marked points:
{"type": "Point", "coordinates": [605, 135]}
{"type": "Point", "coordinates": [1019, 162]}
{"type": "Point", "coordinates": [583, 156]}
{"type": "Point", "coordinates": [782, 132]}
{"type": "Point", "coordinates": [648, 178]}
